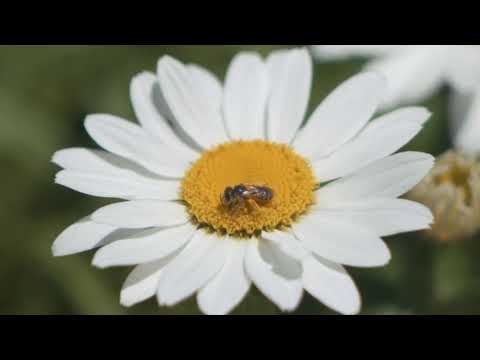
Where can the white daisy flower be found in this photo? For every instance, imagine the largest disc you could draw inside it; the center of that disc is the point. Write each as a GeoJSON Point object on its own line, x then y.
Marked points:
{"type": "Point", "coordinates": [414, 72]}
{"type": "Point", "coordinates": [334, 183]}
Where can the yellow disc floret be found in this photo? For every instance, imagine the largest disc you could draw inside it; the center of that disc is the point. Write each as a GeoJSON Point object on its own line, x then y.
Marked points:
{"type": "Point", "coordinates": [259, 163]}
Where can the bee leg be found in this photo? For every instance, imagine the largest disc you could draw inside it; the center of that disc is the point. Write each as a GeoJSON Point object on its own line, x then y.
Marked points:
{"type": "Point", "coordinates": [252, 204]}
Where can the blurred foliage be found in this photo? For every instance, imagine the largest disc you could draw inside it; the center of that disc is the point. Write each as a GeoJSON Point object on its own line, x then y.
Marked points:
{"type": "Point", "coordinates": [45, 94]}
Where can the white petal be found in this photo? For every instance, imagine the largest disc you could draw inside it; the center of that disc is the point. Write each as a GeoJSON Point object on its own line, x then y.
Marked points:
{"type": "Point", "coordinates": [246, 92]}
{"type": "Point", "coordinates": [194, 267]}
{"type": "Point", "coordinates": [140, 214]}
{"type": "Point", "coordinates": [130, 141]}
{"type": "Point", "coordinates": [101, 162]}
{"type": "Point", "coordinates": [128, 187]}
{"type": "Point", "coordinates": [142, 283]}
{"type": "Point", "coordinates": [341, 115]}
{"type": "Point", "coordinates": [331, 284]}
{"type": "Point", "coordinates": [459, 104]}
{"type": "Point", "coordinates": [412, 75]}
{"type": "Point", "coordinates": [276, 64]}
{"type": "Point", "coordinates": [207, 85]}
{"type": "Point", "coordinates": [100, 173]}
{"type": "Point", "coordinates": [275, 274]}
{"type": "Point", "coordinates": [146, 98]}
{"type": "Point", "coordinates": [391, 177]}
{"type": "Point", "coordinates": [288, 243]}
{"type": "Point", "coordinates": [164, 108]}
{"type": "Point", "coordinates": [463, 67]}
{"type": "Point", "coordinates": [143, 248]}
{"type": "Point", "coordinates": [467, 138]}
{"type": "Point", "coordinates": [290, 74]}
{"type": "Point", "coordinates": [228, 288]}
{"type": "Point", "coordinates": [342, 242]}
{"type": "Point", "coordinates": [383, 216]}
{"type": "Point", "coordinates": [382, 137]}
{"type": "Point", "coordinates": [335, 52]}
{"type": "Point", "coordinates": [190, 106]}
{"type": "Point", "coordinates": [82, 236]}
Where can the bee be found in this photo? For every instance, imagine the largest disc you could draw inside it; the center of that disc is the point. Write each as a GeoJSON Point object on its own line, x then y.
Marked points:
{"type": "Point", "coordinates": [238, 195]}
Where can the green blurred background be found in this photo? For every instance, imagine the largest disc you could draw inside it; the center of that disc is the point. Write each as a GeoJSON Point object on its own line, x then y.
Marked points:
{"type": "Point", "coordinates": [45, 94]}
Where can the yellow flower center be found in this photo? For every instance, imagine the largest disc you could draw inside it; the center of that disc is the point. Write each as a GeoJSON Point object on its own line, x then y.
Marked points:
{"type": "Point", "coordinates": [255, 163]}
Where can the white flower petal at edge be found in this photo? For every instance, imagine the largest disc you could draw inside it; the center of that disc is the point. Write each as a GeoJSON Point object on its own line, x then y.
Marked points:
{"type": "Point", "coordinates": [458, 108]}
{"type": "Point", "coordinates": [191, 109]}
{"type": "Point", "coordinates": [287, 244]}
{"type": "Point", "coordinates": [462, 69]}
{"type": "Point", "coordinates": [208, 86]}
{"type": "Point", "coordinates": [467, 137]}
{"type": "Point", "coordinates": [95, 184]}
{"type": "Point", "coordinates": [128, 140]}
{"type": "Point", "coordinates": [341, 115]}
{"type": "Point", "coordinates": [142, 283]}
{"type": "Point", "coordinates": [290, 74]}
{"type": "Point", "coordinates": [146, 98]}
{"type": "Point", "coordinates": [99, 173]}
{"type": "Point", "coordinates": [342, 241]}
{"type": "Point", "coordinates": [275, 274]}
{"type": "Point", "coordinates": [380, 138]}
{"type": "Point", "coordinates": [414, 72]}
{"type": "Point", "coordinates": [384, 216]}
{"type": "Point", "coordinates": [246, 92]}
{"type": "Point", "coordinates": [145, 247]}
{"type": "Point", "coordinates": [332, 52]}
{"type": "Point", "coordinates": [413, 75]}
{"type": "Point", "coordinates": [330, 284]}
{"type": "Point", "coordinates": [389, 177]}
{"type": "Point", "coordinates": [326, 281]}
{"type": "Point", "coordinates": [140, 214]}
{"type": "Point", "coordinates": [88, 160]}
{"type": "Point", "coordinates": [82, 236]}
{"type": "Point", "coordinates": [221, 295]}
{"type": "Point", "coordinates": [192, 269]}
